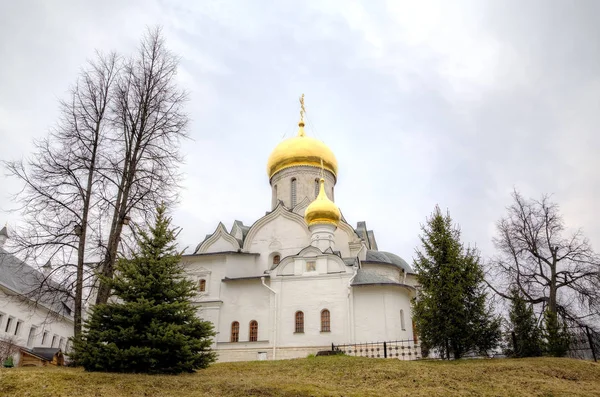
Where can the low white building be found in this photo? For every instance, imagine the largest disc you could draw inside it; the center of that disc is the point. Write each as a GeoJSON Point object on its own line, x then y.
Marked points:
{"type": "Point", "coordinates": [28, 318]}
{"type": "Point", "coordinates": [300, 278]}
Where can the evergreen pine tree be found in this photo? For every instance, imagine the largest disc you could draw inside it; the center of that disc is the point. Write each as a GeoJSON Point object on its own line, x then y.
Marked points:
{"type": "Point", "coordinates": [526, 337]}
{"type": "Point", "coordinates": [152, 327]}
{"type": "Point", "coordinates": [556, 335]}
{"type": "Point", "coordinates": [451, 313]}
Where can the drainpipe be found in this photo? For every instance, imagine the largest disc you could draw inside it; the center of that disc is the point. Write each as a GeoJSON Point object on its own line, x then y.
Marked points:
{"type": "Point", "coordinates": [262, 279]}
{"type": "Point", "coordinates": [349, 300]}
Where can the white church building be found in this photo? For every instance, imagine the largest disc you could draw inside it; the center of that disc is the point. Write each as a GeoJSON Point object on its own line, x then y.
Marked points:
{"type": "Point", "coordinates": [30, 320]}
{"type": "Point", "coordinates": [300, 278]}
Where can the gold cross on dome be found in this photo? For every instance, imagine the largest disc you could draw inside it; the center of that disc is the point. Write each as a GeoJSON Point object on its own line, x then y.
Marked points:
{"type": "Point", "coordinates": [302, 108]}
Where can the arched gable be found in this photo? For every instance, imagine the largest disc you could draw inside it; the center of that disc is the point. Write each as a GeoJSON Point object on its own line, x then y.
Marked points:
{"type": "Point", "coordinates": [296, 229]}
{"type": "Point", "coordinates": [301, 207]}
{"type": "Point", "coordinates": [331, 262]}
{"type": "Point", "coordinates": [219, 241]}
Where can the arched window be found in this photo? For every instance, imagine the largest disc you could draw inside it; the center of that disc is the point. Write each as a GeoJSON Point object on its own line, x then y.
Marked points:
{"type": "Point", "coordinates": [276, 259]}
{"type": "Point", "coordinates": [202, 285]}
{"type": "Point", "coordinates": [299, 322]}
{"type": "Point", "coordinates": [325, 321]}
{"type": "Point", "coordinates": [253, 331]}
{"type": "Point", "coordinates": [274, 196]}
{"type": "Point", "coordinates": [316, 188]}
{"type": "Point", "coordinates": [402, 320]}
{"type": "Point", "coordinates": [293, 192]}
{"type": "Point", "coordinates": [235, 331]}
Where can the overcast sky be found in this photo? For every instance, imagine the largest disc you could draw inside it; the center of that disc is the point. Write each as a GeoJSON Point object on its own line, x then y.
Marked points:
{"type": "Point", "coordinates": [422, 102]}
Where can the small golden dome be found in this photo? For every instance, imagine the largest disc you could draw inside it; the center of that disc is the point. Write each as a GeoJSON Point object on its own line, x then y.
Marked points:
{"type": "Point", "coordinates": [322, 210]}
{"type": "Point", "coordinates": [301, 150]}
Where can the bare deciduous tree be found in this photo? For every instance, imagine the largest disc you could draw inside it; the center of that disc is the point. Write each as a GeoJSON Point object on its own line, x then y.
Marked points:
{"type": "Point", "coordinates": [560, 273]}
{"type": "Point", "coordinates": [112, 158]}
{"type": "Point", "coordinates": [149, 122]}
{"type": "Point", "coordinates": [8, 348]}
{"type": "Point", "coordinates": [57, 200]}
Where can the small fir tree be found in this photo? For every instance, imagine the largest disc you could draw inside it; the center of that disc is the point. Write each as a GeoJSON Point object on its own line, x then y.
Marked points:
{"type": "Point", "coordinates": [153, 327]}
{"type": "Point", "coordinates": [556, 335]}
{"type": "Point", "coordinates": [451, 313]}
{"type": "Point", "coordinates": [526, 338]}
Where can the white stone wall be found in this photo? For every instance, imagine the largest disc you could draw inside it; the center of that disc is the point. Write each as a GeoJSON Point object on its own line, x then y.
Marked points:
{"type": "Point", "coordinates": [57, 328]}
{"type": "Point", "coordinates": [377, 313]}
{"type": "Point", "coordinates": [312, 294]}
{"type": "Point", "coordinates": [244, 301]}
{"type": "Point", "coordinates": [251, 353]}
{"type": "Point", "coordinates": [281, 184]}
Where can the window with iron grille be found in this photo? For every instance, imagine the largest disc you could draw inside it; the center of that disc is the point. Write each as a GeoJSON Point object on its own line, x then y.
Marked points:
{"type": "Point", "coordinates": [202, 286]}
{"type": "Point", "coordinates": [235, 331]}
{"type": "Point", "coordinates": [293, 192]}
{"type": "Point", "coordinates": [253, 331]}
{"type": "Point", "coordinates": [299, 322]}
{"type": "Point", "coordinates": [325, 321]}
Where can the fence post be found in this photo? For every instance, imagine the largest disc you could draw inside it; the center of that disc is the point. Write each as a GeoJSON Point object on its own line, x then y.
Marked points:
{"type": "Point", "coordinates": [514, 341]}
{"type": "Point", "coordinates": [384, 349]}
{"type": "Point", "coordinates": [591, 341]}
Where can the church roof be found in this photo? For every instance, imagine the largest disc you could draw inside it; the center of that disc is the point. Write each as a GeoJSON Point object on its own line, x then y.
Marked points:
{"type": "Point", "coordinates": [24, 280]}
{"type": "Point", "coordinates": [369, 277]}
{"type": "Point", "coordinates": [47, 353]}
{"type": "Point", "coordinates": [388, 258]}
{"type": "Point", "coordinates": [4, 232]}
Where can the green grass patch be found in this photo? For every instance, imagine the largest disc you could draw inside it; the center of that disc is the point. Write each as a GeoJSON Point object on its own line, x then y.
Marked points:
{"type": "Point", "coordinates": [323, 376]}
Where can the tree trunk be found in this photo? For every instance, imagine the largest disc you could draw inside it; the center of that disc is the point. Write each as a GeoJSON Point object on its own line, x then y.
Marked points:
{"type": "Point", "coordinates": [82, 239]}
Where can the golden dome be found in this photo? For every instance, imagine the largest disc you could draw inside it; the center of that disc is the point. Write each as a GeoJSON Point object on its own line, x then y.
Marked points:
{"type": "Point", "coordinates": [301, 150]}
{"type": "Point", "coordinates": [322, 210]}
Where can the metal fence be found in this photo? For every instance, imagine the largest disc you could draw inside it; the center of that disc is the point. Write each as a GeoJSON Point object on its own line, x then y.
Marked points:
{"type": "Point", "coordinates": [584, 343]}
{"type": "Point", "coordinates": [397, 349]}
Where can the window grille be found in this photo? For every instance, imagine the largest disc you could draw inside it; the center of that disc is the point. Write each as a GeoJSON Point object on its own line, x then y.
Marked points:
{"type": "Point", "coordinates": [253, 331]}
{"type": "Point", "coordinates": [325, 321]}
{"type": "Point", "coordinates": [235, 331]}
{"type": "Point", "coordinates": [299, 322]}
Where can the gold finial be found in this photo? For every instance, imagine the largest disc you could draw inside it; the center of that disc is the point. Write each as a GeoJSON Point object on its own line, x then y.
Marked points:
{"type": "Point", "coordinates": [302, 112]}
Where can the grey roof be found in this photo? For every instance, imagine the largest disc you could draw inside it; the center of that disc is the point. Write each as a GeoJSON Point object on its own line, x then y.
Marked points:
{"type": "Point", "coordinates": [47, 353]}
{"type": "Point", "coordinates": [350, 261]}
{"type": "Point", "coordinates": [242, 278]}
{"type": "Point", "coordinates": [24, 280]}
{"type": "Point", "coordinates": [368, 277]}
{"type": "Point", "coordinates": [388, 258]}
{"type": "Point", "coordinates": [4, 232]}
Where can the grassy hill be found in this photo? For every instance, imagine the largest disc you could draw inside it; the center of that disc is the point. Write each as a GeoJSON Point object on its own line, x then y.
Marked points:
{"type": "Point", "coordinates": [323, 376]}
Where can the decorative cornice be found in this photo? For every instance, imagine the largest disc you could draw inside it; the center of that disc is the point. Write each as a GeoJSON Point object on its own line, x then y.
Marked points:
{"type": "Point", "coordinates": [303, 170]}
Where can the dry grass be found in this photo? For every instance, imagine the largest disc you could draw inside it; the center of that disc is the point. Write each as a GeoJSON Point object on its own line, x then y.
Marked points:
{"type": "Point", "coordinates": [324, 376]}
